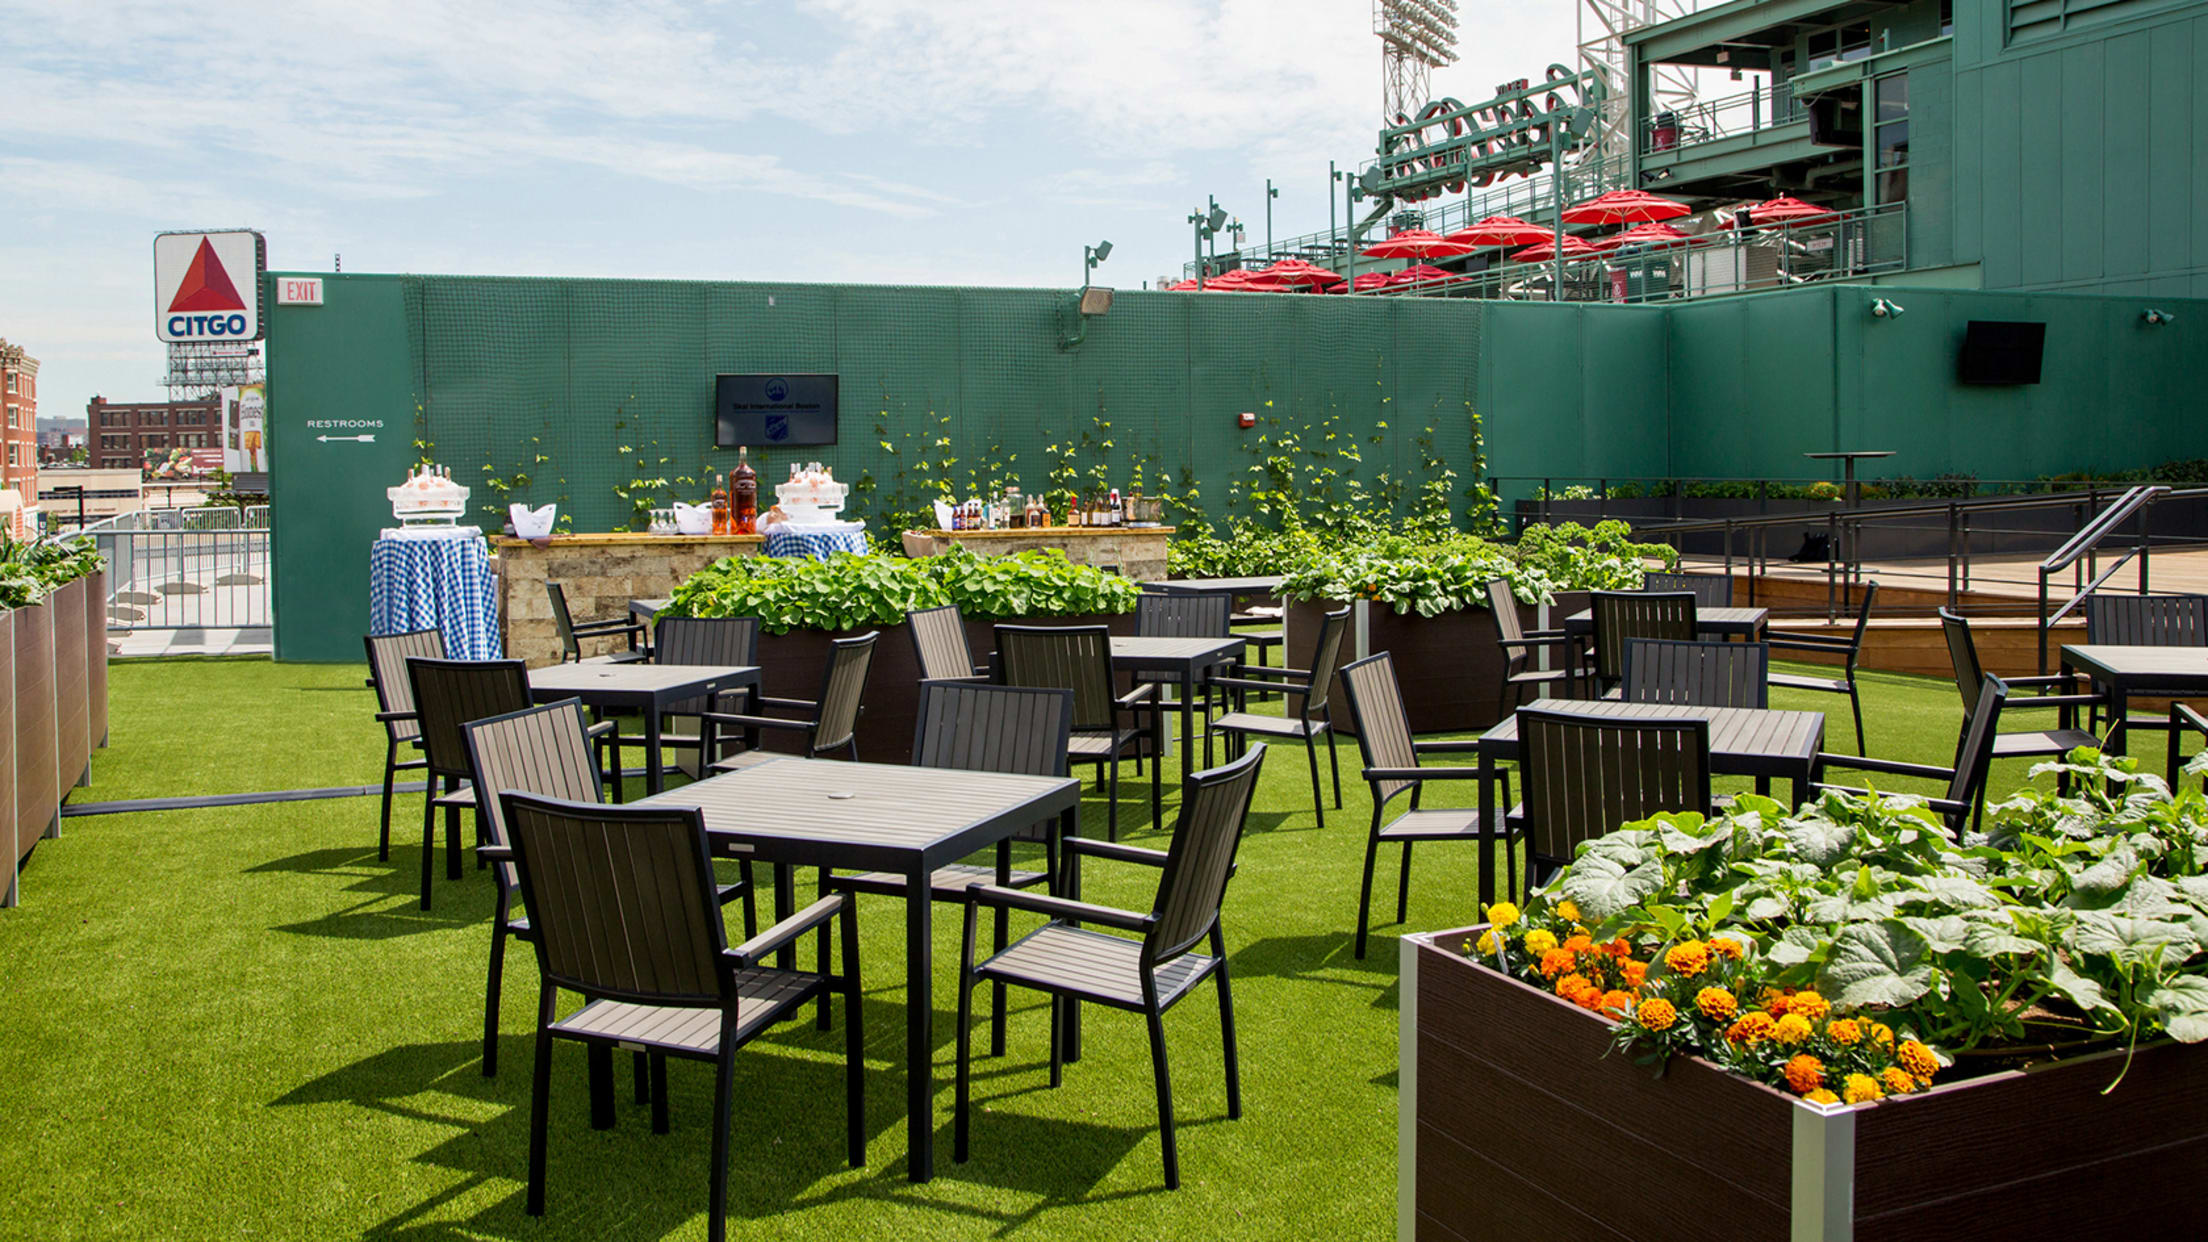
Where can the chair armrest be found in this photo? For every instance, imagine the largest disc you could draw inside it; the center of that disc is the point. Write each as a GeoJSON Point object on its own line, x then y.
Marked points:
{"type": "Point", "coordinates": [1244, 683]}
{"type": "Point", "coordinates": [1267, 670]}
{"type": "Point", "coordinates": [1538, 640]}
{"type": "Point", "coordinates": [1445, 745]}
{"type": "Point", "coordinates": [1891, 767]}
{"type": "Point", "coordinates": [1134, 697]}
{"type": "Point", "coordinates": [495, 853]}
{"type": "Point", "coordinates": [1114, 850]}
{"type": "Point", "coordinates": [597, 629]}
{"type": "Point", "coordinates": [794, 705]}
{"type": "Point", "coordinates": [1057, 907]}
{"type": "Point", "coordinates": [1425, 774]}
{"type": "Point", "coordinates": [786, 932]}
{"type": "Point", "coordinates": [601, 729]}
{"type": "Point", "coordinates": [2051, 700]}
{"type": "Point", "coordinates": [388, 717]}
{"type": "Point", "coordinates": [756, 722]}
{"type": "Point", "coordinates": [2065, 680]}
{"type": "Point", "coordinates": [2190, 718]}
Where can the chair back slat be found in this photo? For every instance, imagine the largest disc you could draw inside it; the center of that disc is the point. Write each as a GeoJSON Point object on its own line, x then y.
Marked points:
{"type": "Point", "coordinates": [2147, 620]}
{"type": "Point", "coordinates": [1326, 662]}
{"type": "Point", "coordinates": [725, 642]}
{"type": "Point", "coordinates": [1383, 727]}
{"type": "Point", "coordinates": [939, 640]}
{"type": "Point", "coordinates": [979, 727]}
{"type": "Point", "coordinates": [1962, 653]}
{"type": "Point", "coordinates": [387, 657]}
{"type": "Point", "coordinates": [1214, 806]}
{"type": "Point", "coordinates": [843, 691]}
{"type": "Point", "coordinates": [621, 898]}
{"type": "Point", "coordinates": [1185, 614]}
{"type": "Point", "coordinates": [1862, 621]}
{"type": "Point", "coordinates": [561, 620]}
{"type": "Point", "coordinates": [1974, 757]}
{"type": "Point", "coordinates": [1076, 658]}
{"type": "Point", "coordinates": [1623, 615]}
{"type": "Point", "coordinates": [1504, 603]}
{"type": "Point", "coordinates": [450, 694]}
{"type": "Point", "coordinates": [1709, 590]}
{"type": "Point", "coordinates": [1586, 775]}
{"type": "Point", "coordinates": [543, 751]}
{"type": "Point", "coordinates": [1706, 674]}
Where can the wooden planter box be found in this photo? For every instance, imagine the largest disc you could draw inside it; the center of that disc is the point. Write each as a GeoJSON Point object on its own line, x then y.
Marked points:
{"type": "Point", "coordinates": [95, 646]}
{"type": "Point", "coordinates": [1516, 1123]}
{"type": "Point", "coordinates": [791, 666]}
{"type": "Point", "coordinates": [72, 684]}
{"type": "Point", "coordinates": [11, 848]}
{"type": "Point", "coordinates": [1449, 667]}
{"type": "Point", "coordinates": [37, 752]}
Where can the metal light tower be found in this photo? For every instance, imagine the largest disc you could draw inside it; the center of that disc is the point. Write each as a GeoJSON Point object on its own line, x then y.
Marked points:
{"type": "Point", "coordinates": [1602, 26]}
{"type": "Point", "coordinates": [1416, 37]}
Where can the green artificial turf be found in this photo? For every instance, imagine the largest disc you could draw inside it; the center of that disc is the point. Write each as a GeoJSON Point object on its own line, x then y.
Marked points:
{"type": "Point", "coordinates": [237, 1023]}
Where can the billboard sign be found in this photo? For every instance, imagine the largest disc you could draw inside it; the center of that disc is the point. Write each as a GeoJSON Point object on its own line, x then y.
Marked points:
{"type": "Point", "coordinates": [245, 429]}
{"type": "Point", "coordinates": [207, 286]}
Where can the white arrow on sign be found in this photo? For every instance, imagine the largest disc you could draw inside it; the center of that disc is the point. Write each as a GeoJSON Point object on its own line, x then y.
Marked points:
{"type": "Point", "coordinates": [362, 439]}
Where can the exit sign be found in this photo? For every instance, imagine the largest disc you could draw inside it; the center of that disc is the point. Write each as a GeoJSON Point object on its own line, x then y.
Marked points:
{"type": "Point", "coordinates": [299, 291]}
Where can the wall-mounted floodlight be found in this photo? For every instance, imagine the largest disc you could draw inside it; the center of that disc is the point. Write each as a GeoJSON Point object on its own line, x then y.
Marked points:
{"type": "Point", "coordinates": [2157, 318]}
{"type": "Point", "coordinates": [1091, 256]}
{"type": "Point", "coordinates": [1885, 308]}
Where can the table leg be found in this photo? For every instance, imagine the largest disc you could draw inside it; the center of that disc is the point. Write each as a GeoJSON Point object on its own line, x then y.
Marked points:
{"type": "Point", "coordinates": [1487, 839]}
{"type": "Point", "coordinates": [1157, 755]}
{"type": "Point", "coordinates": [652, 780]}
{"type": "Point", "coordinates": [919, 1027]}
{"type": "Point", "coordinates": [1070, 826]}
{"type": "Point", "coordinates": [1188, 724]}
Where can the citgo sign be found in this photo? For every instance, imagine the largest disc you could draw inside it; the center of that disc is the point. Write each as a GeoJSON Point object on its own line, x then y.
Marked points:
{"type": "Point", "coordinates": [207, 286]}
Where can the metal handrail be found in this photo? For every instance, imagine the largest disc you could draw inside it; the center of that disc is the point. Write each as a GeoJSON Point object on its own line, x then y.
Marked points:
{"type": "Point", "coordinates": [2084, 544]}
{"type": "Point", "coordinates": [2094, 531]}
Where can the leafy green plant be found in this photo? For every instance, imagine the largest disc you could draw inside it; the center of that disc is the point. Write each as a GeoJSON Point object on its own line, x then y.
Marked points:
{"type": "Point", "coordinates": [850, 592]}
{"type": "Point", "coordinates": [31, 570]}
{"type": "Point", "coordinates": [1430, 576]}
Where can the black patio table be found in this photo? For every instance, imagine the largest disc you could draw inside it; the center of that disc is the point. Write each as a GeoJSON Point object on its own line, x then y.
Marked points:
{"type": "Point", "coordinates": [880, 817]}
{"type": "Point", "coordinates": [1187, 661]}
{"type": "Point", "coordinates": [1746, 623]}
{"type": "Point", "coordinates": [1228, 586]}
{"type": "Point", "coordinates": [647, 688]}
{"type": "Point", "coordinates": [1744, 741]}
{"type": "Point", "coordinates": [2156, 672]}
{"type": "Point", "coordinates": [647, 610]}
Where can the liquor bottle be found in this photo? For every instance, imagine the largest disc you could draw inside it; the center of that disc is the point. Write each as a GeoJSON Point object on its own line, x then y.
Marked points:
{"type": "Point", "coordinates": [746, 494]}
{"type": "Point", "coordinates": [1114, 514]}
{"type": "Point", "coordinates": [720, 504]}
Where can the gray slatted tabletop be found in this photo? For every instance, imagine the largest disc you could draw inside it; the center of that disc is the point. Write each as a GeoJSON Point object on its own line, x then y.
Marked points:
{"type": "Point", "coordinates": [648, 688]}
{"type": "Point", "coordinates": [2155, 672]}
{"type": "Point", "coordinates": [1231, 586]}
{"type": "Point", "coordinates": [1744, 741]}
{"type": "Point", "coordinates": [647, 610]}
{"type": "Point", "coordinates": [1723, 622]}
{"type": "Point", "coordinates": [880, 817]}
{"type": "Point", "coordinates": [1187, 661]}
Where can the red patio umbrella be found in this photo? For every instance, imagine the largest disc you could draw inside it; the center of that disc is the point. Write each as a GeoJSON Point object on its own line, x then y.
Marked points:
{"type": "Point", "coordinates": [1295, 272]}
{"type": "Point", "coordinates": [1653, 233]}
{"type": "Point", "coordinates": [1364, 281]}
{"type": "Point", "coordinates": [1417, 244]}
{"type": "Point", "coordinates": [1625, 207]}
{"type": "Point", "coordinates": [1786, 210]}
{"type": "Point", "coordinates": [1576, 250]}
{"type": "Point", "coordinates": [1182, 286]}
{"type": "Point", "coordinates": [1422, 274]}
{"type": "Point", "coordinates": [1500, 231]}
{"type": "Point", "coordinates": [1234, 281]}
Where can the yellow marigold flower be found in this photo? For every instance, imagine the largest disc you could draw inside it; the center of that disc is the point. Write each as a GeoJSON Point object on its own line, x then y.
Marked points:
{"type": "Point", "coordinates": [1918, 1060]}
{"type": "Point", "coordinates": [1656, 1014]}
{"type": "Point", "coordinates": [1571, 986]}
{"type": "Point", "coordinates": [1791, 1029]}
{"type": "Point", "coordinates": [1882, 1033]}
{"type": "Point", "coordinates": [1717, 1004]}
{"type": "Point", "coordinates": [1809, 1005]}
{"type": "Point", "coordinates": [1726, 947]}
{"type": "Point", "coordinates": [1898, 1081]}
{"type": "Point", "coordinates": [1617, 1001]}
{"type": "Point", "coordinates": [1486, 942]}
{"type": "Point", "coordinates": [1753, 1028]}
{"type": "Point", "coordinates": [1861, 1089]}
{"type": "Point", "coordinates": [1539, 942]}
{"type": "Point", "coordinates": [1555, 962]}
{"type": "Point", "coordinates": [1502, 914]}
{"type": "Point", "coordinates": [1844, 1031]}
{"type": "Point", "coordinates": [1805, 1074]}
{"type": "Point", "coordinates": [1822, 1096]}
{"type": "Point", "coordinates": [1635, 974]}
{"type": "Point", "coordinates": [1689, 958]}
{"type": "Point", "coordinates": [1568, 912]}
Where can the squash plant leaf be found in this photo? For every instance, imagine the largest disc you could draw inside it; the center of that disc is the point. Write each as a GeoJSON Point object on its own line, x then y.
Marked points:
{"type": "Point", "coordinates": [1876, 964]}
{"type": "Point", "coordinates": [2181, 1006]}
{"type": "Point", "coordinates": [1603, 889]}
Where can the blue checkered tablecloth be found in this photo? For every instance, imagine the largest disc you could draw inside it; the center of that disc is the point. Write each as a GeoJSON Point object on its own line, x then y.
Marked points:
{"type": "Point", "coordinates": [415, 583]}
{"type": "Point", "coordinates": [818, 544]}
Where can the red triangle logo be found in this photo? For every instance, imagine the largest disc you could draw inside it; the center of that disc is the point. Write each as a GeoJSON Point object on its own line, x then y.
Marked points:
{"type": "Point", "coordinates": [206, 285]}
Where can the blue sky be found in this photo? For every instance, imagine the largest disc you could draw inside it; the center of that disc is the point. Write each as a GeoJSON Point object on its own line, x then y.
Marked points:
{"type": "Point", "coordinates": [883, 141]}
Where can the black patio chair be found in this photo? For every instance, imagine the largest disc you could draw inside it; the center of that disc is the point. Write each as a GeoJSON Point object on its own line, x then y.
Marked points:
{"type": "Point", "coordinates": [830, 722]}
{"type": "Point", "coordinates": [1392, 766]}
{"type": "Point", "coordinates": [1191, 614]}
{"type": "Point", "coordinates": [1147, 974]}
{"type": "Point", "coordinates": [449, 694]}
{"type": "Point", "coordinates": [1586, 775]}
{"type": "Point", "coordinates": [978, 727]}
{"type": "Point", "coordinates": [1849, 649]}
{"type": "Point", "coordinates": [1706, 674]}
{"type": "Point", "coordinates": [1519, 644]}
{"type": "Point", "coordinates": [573, 633]}
{"type": "Point", "coordinates": [726, 642]}
{"type": "Point", "coordinates": [1966, 781]}
{"type": "Point", "coordinates": [2147, 621]}
{"type": "Point", "coordinates": [1079, 658]}
{"type": "Point", "coordinates": [1970, 680]}
{"type": "Point", "coordinates": [387, 657]}
{"type": "Point", "coordinates": [625, 912]}
{"type": "Point", "coordinates": [1621, 616]}
{"type": "Point", "coordinates": [1709, 590]}
{"type": "Point", "coordinates": [1304, 717]}
{"type": "Point", "coordinates": [546, 751]}
{"type": "Point", "coordinates": [939, 640]}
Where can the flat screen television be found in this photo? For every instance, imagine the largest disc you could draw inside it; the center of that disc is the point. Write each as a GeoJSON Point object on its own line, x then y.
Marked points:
{"type": "Point", "coordinates": [1997, 351]}
{"type": "Point", "coordinates": [774, 410]}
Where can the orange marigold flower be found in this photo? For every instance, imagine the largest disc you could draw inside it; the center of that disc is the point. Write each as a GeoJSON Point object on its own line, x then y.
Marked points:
{"type": "Point", "coordinates": [1579, 944]}
{"type": "Point", "coordinates": [1540, 941]}
{"type": "Point", "coordinates": [1589, 998]}
{"type": "Point", "coordinates": [1567, 911]}
{"type": "Point", "coordinates": [1776, 1001]}
{"type": "Point", "coordinates": [1717, 1004]}
{"type": "Point", "coordinates": [1918, 1060]}
{"type": "Point", "coordinates": [1621, 948]}
{"type": "Point", "coordinates": [1635, 974]}
{"type": "Point", "coordinates": [1809, 1005]}
{"type": "Point", "coordinates": [1688, 957]}
{"type": "Point", "coordinates": [1753, 1028]}
{"type": "Point", "coordinates": [1805, 1074]}
{"type": "Point", "coordinates": [1656, 1014]}
{"type": "Point", "coordinates": [1791, 1029]}
{"type": "Point", "coordinates": [1882, 1033]}
{"type": "Point", "coordinates": [1555, 962]}
{"type": "Point", "coordinates": [1898, 1081]}
{"type": "Point", "coordinates": [1571, 985]}
{"type": "Point", "coordinates": [1616, 1001]}
{"type": "Point", "coordinates": [1822, 1096]}
{"type": "Point", "coordinates": [1844, 1031]}
{"type": "Point", "coordinates": [1726, 947]}
{"type": "Point", "coordinates": [1861, 1089]}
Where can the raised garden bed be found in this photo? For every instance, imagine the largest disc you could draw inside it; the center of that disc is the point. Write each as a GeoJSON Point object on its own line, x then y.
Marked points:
{"type": "Point", "coordinates": [1449, 666]}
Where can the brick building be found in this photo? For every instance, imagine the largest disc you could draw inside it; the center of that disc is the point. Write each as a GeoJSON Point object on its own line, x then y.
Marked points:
{"type": "Point", "coordinates": [19, 393]}
{"type": "Point", "coordinates": [120, 434]}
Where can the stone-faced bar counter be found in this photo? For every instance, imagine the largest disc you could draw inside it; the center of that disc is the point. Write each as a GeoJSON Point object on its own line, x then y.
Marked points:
{"type": "Point", "coordinates": [1136, 552]}
{"type": "Point", "coordinates": [600, 574]}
